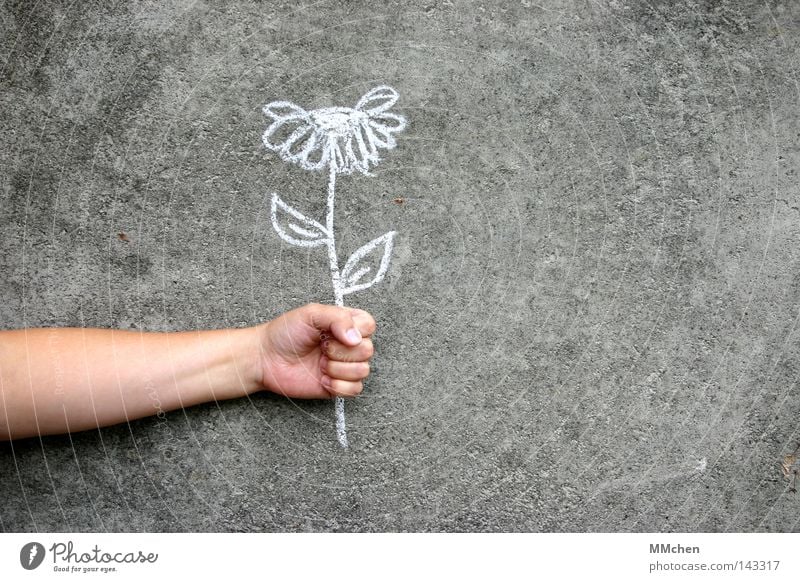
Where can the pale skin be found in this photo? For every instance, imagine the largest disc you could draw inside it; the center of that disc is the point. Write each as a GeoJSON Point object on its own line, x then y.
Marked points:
{"type": "Point", "coordinates": [58, 380]}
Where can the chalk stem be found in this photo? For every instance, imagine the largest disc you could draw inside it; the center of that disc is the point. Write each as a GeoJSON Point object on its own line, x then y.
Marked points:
{"type": "Point", "coordinates": [341, 426]}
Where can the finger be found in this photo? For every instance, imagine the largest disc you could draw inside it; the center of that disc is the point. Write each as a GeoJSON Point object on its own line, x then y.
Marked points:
{"type": "Point", "coordinates": [337, 351]}
{"type": "Point", "coordinates": [365, 323]}
{"type": "Point", "coordinates": [342, 388]}
{"type": "Point", "coordinates": [338, 320]}
{"type": "Point", "coordinates": [351, 371]}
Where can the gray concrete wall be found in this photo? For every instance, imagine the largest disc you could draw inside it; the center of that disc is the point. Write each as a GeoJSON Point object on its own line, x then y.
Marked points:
{"type": "Point", "coordinates": [591, 320]}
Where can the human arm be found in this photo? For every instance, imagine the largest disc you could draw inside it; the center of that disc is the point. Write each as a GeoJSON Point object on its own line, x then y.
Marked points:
{"type": "Point", "coordinates": [56, 380]}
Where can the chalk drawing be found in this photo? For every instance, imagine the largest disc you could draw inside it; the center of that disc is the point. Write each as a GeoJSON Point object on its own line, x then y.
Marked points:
{"type": "Point", "coordinates": [342, 140]}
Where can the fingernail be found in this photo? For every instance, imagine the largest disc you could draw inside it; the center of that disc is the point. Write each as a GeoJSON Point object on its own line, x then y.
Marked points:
{"type": "Point", "coordinates": [326, 381]}
{"type": "Point", "coordinates": [353, 335]}
{"type": "Point", "coordinates": [323, 363]}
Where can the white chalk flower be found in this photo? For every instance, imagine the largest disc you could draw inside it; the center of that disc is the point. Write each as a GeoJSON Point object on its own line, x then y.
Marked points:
{"type": "Point", "coordinates": [343, 139]}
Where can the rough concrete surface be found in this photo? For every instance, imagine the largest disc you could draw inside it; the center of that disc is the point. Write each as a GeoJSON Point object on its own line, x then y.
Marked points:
{"type": "Point", "coordinates": [591, 320]}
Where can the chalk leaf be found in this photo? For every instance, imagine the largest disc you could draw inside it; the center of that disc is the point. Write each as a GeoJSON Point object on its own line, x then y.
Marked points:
{"type": "Point", "coordinates": [295, 228]}
{"type": "Point", "coordinates": [358, 265]}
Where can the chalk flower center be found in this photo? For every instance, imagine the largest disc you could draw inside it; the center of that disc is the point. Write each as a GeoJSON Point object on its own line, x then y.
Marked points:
{"type": "Point", "coordinates": [338, 122]}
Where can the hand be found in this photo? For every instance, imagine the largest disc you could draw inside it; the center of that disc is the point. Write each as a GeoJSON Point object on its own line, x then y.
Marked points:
{"type": "Point", "coordinates": [317, 351]}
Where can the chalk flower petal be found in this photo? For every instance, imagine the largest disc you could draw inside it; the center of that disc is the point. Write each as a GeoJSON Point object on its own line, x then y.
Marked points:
{"type": "Point", "coordinates": [284, 109]}
{"type": "Point", "coordinates": [377, 100]}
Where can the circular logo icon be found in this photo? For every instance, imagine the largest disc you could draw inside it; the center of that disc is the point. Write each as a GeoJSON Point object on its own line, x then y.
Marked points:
{"type": "Point", "coordinates": [31, 555]}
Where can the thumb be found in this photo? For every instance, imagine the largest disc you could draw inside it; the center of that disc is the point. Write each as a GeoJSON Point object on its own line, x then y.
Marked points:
{"type": "Point", "coordinates": [338, 320]}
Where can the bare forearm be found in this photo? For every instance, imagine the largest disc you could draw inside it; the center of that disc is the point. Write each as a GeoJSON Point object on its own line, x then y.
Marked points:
{"type": "Point", "coordinates": [64, 379]}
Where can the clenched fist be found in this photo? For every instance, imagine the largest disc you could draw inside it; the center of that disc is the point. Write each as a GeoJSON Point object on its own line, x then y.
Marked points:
{"type": "Point", "coordinates": [317, 351]}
